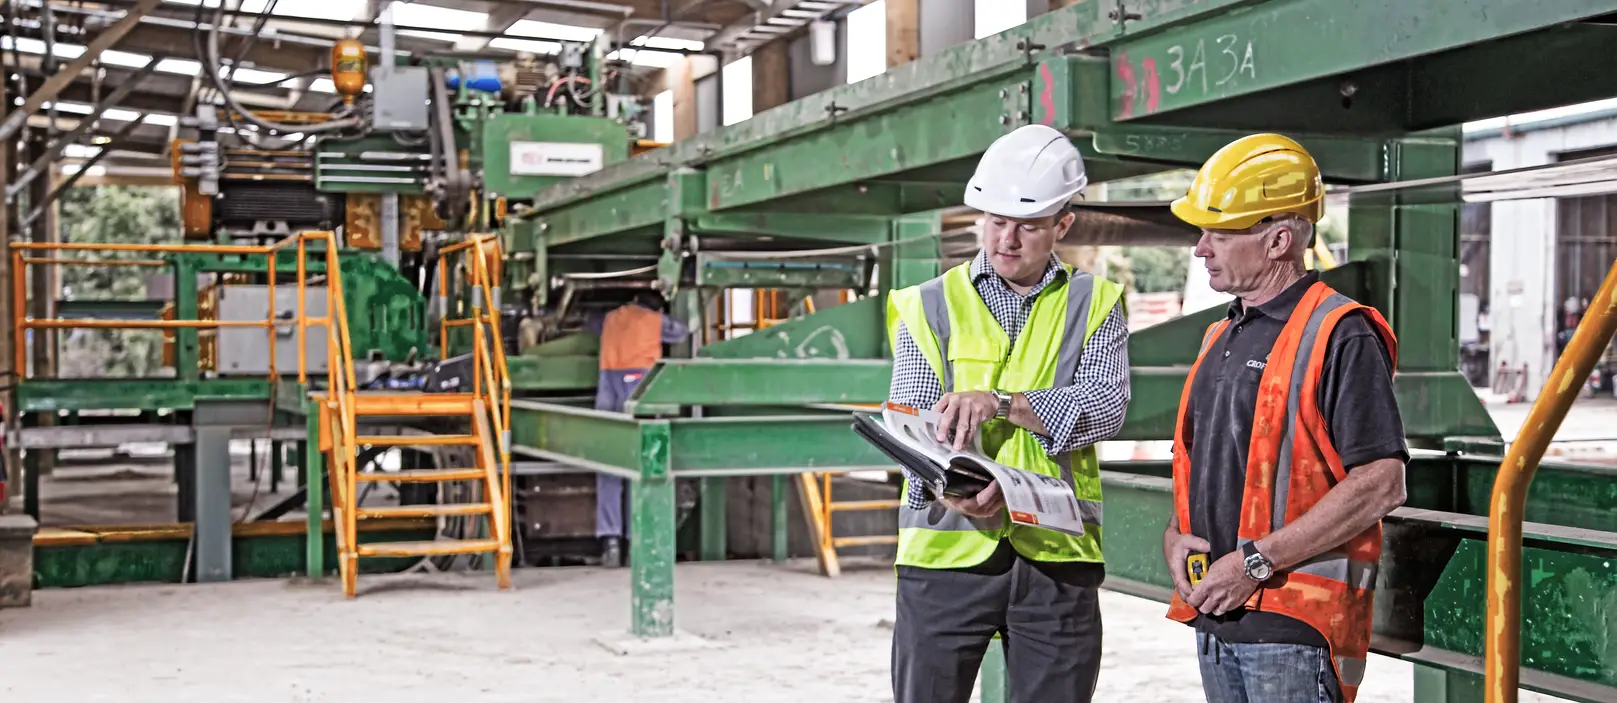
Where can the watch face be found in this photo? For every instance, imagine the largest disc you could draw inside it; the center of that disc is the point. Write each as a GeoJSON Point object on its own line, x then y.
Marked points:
{"type": "Point", "coordinates": [1257, 569]}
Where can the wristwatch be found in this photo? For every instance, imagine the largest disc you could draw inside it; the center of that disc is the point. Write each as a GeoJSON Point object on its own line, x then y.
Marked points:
{"type": "Point", "coordinates": [1004, 404]}
{"type": "Point", "coordinates": [1258, 567]}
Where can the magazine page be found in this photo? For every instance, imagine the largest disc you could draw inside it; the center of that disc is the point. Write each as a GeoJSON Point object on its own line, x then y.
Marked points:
{"type": "Point", "coordinates": [1037, 500]}
{"type": "Point", "coordinates": [1030, 498]}
{"type": "Point", "coordinates": [918, 429]}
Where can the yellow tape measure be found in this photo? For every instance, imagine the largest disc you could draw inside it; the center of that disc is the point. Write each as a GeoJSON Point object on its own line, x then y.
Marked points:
{"type": "Point", "coordinates": [1196, 568]}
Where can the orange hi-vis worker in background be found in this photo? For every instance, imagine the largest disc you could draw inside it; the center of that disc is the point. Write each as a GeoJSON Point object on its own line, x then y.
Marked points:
{"type": "Point", "coordinates": [632, 339]}
{"type": "Point", "coordinates": [1289, 448]}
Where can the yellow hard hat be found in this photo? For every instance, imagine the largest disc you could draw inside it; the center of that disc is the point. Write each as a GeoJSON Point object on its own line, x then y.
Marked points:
{"type": "Point", "coordinates": [1251, 178]}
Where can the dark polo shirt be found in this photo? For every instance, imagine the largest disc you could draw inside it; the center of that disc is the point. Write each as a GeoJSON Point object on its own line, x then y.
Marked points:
{"type": "Point", "coordinates": [1355, 398]}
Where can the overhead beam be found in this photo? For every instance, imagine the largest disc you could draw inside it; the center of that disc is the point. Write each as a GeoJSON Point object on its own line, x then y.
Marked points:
{"type": "Point", "coordinates": [1242, 51]}
{"type": "Point", "coordinates": [50, 153]}
{"type": "Point", "coordinates": [56, 83]}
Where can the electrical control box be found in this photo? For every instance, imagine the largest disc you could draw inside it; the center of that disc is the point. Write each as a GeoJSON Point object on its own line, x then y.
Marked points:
{"type": "Point", "coordinates": [244, 351]}
{"type": "Point", "coordinates": [400, 99]}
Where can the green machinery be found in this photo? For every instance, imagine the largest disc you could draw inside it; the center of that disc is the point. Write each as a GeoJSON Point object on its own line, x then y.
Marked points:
{"type": "Point", "coordinates": [850, 181]}
{"type": "Point", "coordinates": [434, 150]}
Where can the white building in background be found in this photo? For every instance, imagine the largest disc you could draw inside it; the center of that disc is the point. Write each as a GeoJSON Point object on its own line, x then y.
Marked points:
{"type": "Point", "coordinates": [1549, 254]}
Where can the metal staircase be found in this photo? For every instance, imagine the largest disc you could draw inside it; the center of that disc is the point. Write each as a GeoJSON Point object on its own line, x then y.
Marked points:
{"type": "Point", "coordinates": [344, 410]}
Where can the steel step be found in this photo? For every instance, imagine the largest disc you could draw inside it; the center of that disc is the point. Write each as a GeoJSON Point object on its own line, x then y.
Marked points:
{"type": "Point", "coordinates": [422, 475]}
{"type": "Point", "coordinates": [412, 404]}
{"type": "Point", "coordinates": [417, 440]}
{"type": "Point", "coordinates": [421, 511]}
{"type": "Point", "coordinates": [428, 549]}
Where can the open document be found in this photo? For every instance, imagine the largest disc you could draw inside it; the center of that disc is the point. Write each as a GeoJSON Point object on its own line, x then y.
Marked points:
{"type": "Point", "coordinates": [909, 436]}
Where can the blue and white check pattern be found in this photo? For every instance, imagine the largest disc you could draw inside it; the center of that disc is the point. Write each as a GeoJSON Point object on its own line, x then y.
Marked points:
{"type": "Point", "coordinates": [1088, 411]}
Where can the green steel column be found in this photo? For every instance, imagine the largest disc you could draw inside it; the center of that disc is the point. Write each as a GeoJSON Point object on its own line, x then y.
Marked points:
{"type": "Point", "coordinates": [651, 538]}
{"type": "Point", "coordinates": [1434, 685]}
{"type": "Point", "coordinates": [779, 488]}
{"type": "Point", "coordinates": [712, 503]}
{"type": "Point", "coordinates": [313, 473]}
{"type": "Point", "coordinates": [185, 308]}
{"type": "Point", "coordinates": [1412, 249]}
{"type": "Point", "coordinates": [991, 675]}
{"type": "Point", "coordinates": [921, 258]}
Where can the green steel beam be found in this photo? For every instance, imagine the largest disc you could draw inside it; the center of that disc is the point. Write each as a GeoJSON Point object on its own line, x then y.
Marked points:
{"type": "Point", "coordinates": [553, 373]}
{"type": "Point", "coordinates": [596, 440]}
{"type": "Point", "coordinates": [852, 229]}
{"type": "Point", "coordinates": [850, 331]}
{"type": "Point", "coordinates": [1272, 44]}
{"type": "Point", "coordinates": [110, 309]}
{"type": "Point", "coordinates": [705, 381]}
{"type": "Point", "coordinates": [51, 395]}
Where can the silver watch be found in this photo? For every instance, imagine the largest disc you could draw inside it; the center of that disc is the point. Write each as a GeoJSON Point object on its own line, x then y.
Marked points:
{"type": "Point", "coordinates": [1004, 404]}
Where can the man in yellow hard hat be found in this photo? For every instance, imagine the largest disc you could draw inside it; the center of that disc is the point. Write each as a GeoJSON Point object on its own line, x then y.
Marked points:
{"type": "Point", "coordinates": [1288, 518]}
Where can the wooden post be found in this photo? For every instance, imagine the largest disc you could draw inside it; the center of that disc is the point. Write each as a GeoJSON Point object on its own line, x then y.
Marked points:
{"type": "Point", "coordinates": [903, 32]}
{"type": "Point", "coordinates": [771, 77]}
{"type": "Point", "coordinates": [681, 79]}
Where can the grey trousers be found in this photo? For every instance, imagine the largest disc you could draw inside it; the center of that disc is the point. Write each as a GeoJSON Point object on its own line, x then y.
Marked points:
{"type": "Point", "coordinates": [611, 391]}
{"type": "Point", "coordinates": [1047, 616]}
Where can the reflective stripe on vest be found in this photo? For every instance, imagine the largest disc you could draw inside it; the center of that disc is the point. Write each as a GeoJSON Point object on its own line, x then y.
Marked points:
{"type": "Point", "coordinates": [1333, 592]}
{"type": "Point", "coordinates": [1080, 288]}
{"type": "Point", "coordinates": [1281, 486]}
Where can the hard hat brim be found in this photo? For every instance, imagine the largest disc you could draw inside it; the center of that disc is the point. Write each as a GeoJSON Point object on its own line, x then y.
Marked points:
{"type": "Point", "coordinates": [1183, 209]}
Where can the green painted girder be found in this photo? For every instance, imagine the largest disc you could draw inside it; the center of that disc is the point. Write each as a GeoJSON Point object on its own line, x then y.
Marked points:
{"type": "Point", "coordinates": [717, 272]}
{"type": "Point", "coordinates": [938, 81]}
{"type": "Point", "coordinates": [553, 373]}
{"type": "Point", "coordinates": [51, 395]}
{"type": "Point", "coordinates": [618, 444]}
{"type": "Point", "coordinates": [1262, 46]}
{"type": "Point", "coordinates": [853, 330]}
{"type": "Point", "coordinates": [110, 309]}
{"type": "Point", "coordinates": [852, 229]}
{"type": "Point", "coordinates": [1429, 600]}
{"type": "Point", "coordinates": [704, 381]}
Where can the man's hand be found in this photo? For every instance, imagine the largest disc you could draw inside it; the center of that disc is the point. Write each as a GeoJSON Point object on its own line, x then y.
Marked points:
{"type": "Point", "coordinates": [986, 503]}
{"type": "Point", "coordinates": [1176, 548]}
{"type": "Point", "coordinates": [1225, 588]}
{"type": "Point", "coordinates": [964, 413]}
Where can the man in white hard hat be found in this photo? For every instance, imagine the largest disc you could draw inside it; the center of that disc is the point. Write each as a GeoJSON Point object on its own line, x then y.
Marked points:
{"type": "Point", "coordinates": [1030, 354]}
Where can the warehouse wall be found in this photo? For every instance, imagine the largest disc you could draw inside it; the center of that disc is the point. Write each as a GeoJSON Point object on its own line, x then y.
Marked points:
{"type": "Point", "coordinates": [1522, 257]}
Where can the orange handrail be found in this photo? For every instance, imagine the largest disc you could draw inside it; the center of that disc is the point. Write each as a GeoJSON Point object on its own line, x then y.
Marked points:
{"type": "Point", "coordinates": [1509, 501]}
{"type": "Point", "coordinates": [20, 262]}
{"type": "Point", "coordinates": [490, 377]}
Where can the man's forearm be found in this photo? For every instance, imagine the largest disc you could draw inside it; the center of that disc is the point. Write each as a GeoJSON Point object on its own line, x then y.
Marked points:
{"type": "Point", "coordinates": [1022, 415]}
{"type": "Point", "coordinates": [1367, 495]}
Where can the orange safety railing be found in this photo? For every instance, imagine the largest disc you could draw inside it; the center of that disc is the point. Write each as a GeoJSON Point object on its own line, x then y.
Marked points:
{"type": "Point", "coordinates": [20, 262]}
{"type": "Point", "coordinates": [491, 381]}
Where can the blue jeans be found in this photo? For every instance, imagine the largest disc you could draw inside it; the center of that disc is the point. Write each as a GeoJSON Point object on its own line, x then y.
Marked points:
{"type": "Point", "coordinates": [1238, 672]}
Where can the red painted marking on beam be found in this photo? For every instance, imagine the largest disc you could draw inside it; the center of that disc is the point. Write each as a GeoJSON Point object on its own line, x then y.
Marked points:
{"type": "Point", "coordinates": [1153, 85]}
{"type": "Point", "coordinates": [1047, 97]}
{"type": "Point", "coordinates": [1125, 74]}
{"type": "Point", "coordinates": [713, 189]}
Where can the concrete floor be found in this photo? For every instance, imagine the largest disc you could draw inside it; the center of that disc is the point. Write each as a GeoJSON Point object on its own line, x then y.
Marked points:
{"type": "Point", "coordinates": [769, 633]}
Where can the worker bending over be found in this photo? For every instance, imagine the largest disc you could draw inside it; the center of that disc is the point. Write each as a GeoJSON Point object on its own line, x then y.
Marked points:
{"type": "Point", "coordinates": [1288, 517]}
{"type": "Point", "coordinates": [632, 339]}
{"type": "Point", "coordinates": [1031, 354]}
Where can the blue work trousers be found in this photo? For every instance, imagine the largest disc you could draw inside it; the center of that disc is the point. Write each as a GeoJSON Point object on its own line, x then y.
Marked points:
{"type": "Point", "coordinates": [611, 391]}
{"type": "Point", "coordinates": [1240, 672]}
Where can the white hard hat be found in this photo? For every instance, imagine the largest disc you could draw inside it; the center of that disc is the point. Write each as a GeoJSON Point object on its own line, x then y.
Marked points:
{"type": "Point", "coordinates": [1030, 173]}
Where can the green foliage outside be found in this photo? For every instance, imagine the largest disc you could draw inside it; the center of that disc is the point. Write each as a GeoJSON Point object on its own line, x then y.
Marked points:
{"type": "Point", "coordinates": [121, 215]}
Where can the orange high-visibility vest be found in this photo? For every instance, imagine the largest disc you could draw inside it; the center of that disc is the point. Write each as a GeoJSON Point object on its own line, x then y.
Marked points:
{"type": "Point", "coordinates": [631, 338]}
{"type": "Point", "coordinates": [1290, 466]}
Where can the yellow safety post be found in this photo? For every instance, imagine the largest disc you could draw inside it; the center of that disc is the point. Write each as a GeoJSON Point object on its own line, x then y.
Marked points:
{"type": "Point", "coordinates": [1503, 647]}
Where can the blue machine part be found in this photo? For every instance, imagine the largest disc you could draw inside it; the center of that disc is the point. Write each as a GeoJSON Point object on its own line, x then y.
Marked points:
{"type": "Point", "coordinates": [483, 77]}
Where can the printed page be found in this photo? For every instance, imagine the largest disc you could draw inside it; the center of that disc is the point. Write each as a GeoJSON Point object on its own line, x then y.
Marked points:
{"type": "Point", "coordinates": [918, 429]}
{"type": "Point", "coordinates": [1037, 500]}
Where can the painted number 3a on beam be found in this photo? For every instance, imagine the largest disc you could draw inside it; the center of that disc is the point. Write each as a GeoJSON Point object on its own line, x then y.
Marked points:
{"type": "Point", "coordinates": [1188, 68]}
